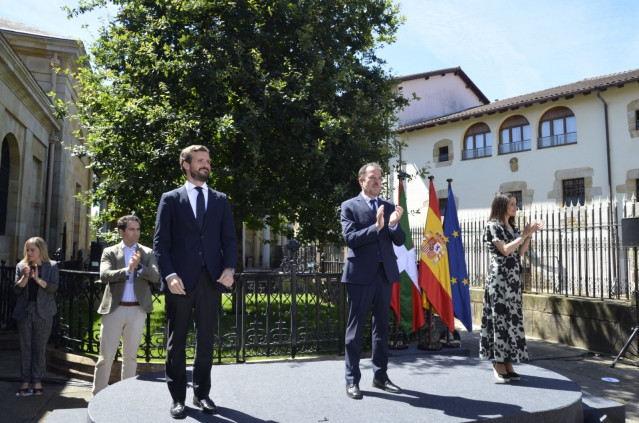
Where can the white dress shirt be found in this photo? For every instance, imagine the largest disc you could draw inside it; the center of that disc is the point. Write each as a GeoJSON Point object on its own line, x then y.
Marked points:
{"type": "Point", "coordinates": [192, 193]}
{"type": "Point", "coordinates": [128, 295]}
{"type": "Point", "coordinates": [370, 206]}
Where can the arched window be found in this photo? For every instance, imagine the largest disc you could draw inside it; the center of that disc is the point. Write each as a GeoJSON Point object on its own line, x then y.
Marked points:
{"type": "Point", "coordinates": [557, 126]}
{"type": "Point", "coordinates": [514, 135]}
{"type": "Point", "coordinates": [477, 142]}
{"type": "Point", "coordinates": [5, 161]}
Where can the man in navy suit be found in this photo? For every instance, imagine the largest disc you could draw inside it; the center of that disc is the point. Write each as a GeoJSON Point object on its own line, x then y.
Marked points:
{"type": "Point", "coordinates": [196, 248]}
{"type": "Point", "coordinates": [370, 226]}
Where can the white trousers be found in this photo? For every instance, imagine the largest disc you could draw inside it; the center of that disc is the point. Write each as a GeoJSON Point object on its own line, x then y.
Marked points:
{"type": "Point", "coordinates": [126, 322]}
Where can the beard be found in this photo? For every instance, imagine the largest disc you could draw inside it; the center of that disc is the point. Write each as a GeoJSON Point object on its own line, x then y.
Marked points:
{"type": "Point", "coordinates": [199, 175]}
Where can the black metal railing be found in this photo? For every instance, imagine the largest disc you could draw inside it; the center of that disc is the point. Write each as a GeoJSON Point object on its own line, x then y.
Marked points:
{"type": "Point", "coordinates": [7, 299]}
{"type": "Point", "coordinates": [300, 307]}
{"type": "Point", "coordinates": [554, 140]}
{"type": "Point", "coordinates": [578, 253]}
{"type": "Point", "coordinates": [476, 153]}
{"type": "Point", "coordinates": [513, 147]}
{"type": "Point", "coordinates": [290, 311]}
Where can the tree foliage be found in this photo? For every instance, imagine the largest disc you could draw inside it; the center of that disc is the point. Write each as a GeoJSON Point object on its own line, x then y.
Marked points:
{"type": "Point", "coordinates": [289, 96]}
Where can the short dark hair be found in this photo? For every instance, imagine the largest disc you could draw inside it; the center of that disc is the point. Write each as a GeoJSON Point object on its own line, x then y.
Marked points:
{"type": "Point", "coordinates": [124, 221]}
{"type": "Point", "coordinates": [362, 170]}
{"type": "Point", "coordinates": [187, 154]}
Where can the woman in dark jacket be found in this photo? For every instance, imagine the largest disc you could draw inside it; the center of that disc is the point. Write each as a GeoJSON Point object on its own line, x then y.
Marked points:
{"type": "Point", "coordinates": [35, 284]}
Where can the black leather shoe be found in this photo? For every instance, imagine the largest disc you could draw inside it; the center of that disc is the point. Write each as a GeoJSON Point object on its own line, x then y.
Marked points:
{"type": "Point", "coordinates": [352, 391]}
{"type": "Point", "coordinates": [387, 386]}
{"type": "Point", "coordinates": [514, 376]}
{"type": "Point", "coordinates": [205, 404]}
{"type": "Point", "coordinates": [501, 377]}
{"type": "Point", "coordinates": [177, 410]}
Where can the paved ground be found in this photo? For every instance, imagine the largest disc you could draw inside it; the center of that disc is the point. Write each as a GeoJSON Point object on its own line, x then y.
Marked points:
{"type": "Point", "coordinates": [591, 371]}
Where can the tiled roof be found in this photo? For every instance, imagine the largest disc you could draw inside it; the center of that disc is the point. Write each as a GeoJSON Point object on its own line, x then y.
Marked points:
{"type": "Point", "coordinates": [8, 25]}
{"type": "Point", "coordinates": [567, 91]}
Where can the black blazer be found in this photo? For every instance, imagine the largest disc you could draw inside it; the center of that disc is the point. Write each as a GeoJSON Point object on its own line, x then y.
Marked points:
{"type": "Point", "coordinates": [179, 245]}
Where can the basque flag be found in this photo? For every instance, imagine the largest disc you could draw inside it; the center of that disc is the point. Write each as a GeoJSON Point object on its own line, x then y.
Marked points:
{"type": "Point", "coordinates": [406, 301]}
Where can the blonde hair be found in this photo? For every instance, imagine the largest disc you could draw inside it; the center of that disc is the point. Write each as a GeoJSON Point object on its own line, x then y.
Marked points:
{"type": "Point", "coordinates": [41, 245]}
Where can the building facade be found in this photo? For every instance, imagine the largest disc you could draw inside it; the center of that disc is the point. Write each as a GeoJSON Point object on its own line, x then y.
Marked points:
{"type": "Point", "coordinates": [572, 144]}
{"type": "Point", "coordinates": [40, 178]}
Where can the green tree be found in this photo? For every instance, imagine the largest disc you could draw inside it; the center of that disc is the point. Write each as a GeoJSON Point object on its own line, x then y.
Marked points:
{"type": "Point", "coordinates": [289, 96]}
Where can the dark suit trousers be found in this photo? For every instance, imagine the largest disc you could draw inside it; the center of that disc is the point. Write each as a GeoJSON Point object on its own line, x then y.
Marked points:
{"type": "Point", "coordinates": [376, 298]}
{"type": "Point", "coordinates": [205, 299]}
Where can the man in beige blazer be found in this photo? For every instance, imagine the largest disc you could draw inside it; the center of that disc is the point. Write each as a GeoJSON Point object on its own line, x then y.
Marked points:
{"type": "Point", "coordinates": [126, 269]}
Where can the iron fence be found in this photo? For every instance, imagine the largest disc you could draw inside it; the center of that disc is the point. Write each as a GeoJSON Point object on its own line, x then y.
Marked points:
{"type": "Point", "coordinates": [300, 308]}
{"type": "Point", "coordinates": [7, 300]}
{"type": "Point", "coordinates": [284, 312]}
{"type": "Point", "coordinates": [578, 253]}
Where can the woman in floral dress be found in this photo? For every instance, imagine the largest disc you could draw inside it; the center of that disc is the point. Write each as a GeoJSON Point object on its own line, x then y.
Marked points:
{"type": "Point", "coordinates": [502, 336]}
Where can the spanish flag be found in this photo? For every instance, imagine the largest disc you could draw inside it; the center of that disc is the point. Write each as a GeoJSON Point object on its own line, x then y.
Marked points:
{"type": "Point", "coordinates": [434, 275]}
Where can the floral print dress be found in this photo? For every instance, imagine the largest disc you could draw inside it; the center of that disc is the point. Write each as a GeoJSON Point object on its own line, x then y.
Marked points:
{"type": "Point", "coordinates": [502, 336]}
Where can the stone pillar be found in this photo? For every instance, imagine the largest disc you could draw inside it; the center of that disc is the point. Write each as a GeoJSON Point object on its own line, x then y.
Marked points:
{"type": "Point", "coordinates": [256, 249]}
{"type": "Point", "coordinates": [55, 64]}
{"type": "Point", "coordinates": [53, 141]}
{"type": "Point", "coordinates": [266, 248]}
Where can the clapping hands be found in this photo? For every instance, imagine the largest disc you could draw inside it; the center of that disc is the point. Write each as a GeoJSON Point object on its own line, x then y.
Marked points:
{"type": "Point", "coordinates": [396, 216]}
{"type": "Point", "coordinates": [533, 227]}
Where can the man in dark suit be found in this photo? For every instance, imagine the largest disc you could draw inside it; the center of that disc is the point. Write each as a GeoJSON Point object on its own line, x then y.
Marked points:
{"type": "Point", "coordinates": [126, 269]}
{"type": "Point", "coordinates": [370, 226]}
{"type": "Point", "coordinates": [196, 249]}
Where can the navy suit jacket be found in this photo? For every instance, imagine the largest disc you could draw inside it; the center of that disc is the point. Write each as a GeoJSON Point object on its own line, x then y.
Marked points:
{"type": "Point", "coordinates": [180, 246]}
{"type": "Point", "coordinates": [366, 246]}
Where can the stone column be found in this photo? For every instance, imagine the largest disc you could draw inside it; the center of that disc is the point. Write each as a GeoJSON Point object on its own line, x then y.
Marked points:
{"type": "Point", "coordinates": [266, 248]}
{"type": "Point", "coordinates": [53, 141]}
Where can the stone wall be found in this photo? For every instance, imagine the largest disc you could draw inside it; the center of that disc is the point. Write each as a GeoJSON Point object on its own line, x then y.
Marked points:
{"type": "Point", "coordinates": [592, 324]}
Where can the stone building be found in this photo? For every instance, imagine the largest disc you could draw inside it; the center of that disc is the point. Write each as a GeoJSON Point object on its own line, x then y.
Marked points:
{"type": "Point", "coordinates": [39, 177]}
{"type": "Point", "coordinates": [572, 144]}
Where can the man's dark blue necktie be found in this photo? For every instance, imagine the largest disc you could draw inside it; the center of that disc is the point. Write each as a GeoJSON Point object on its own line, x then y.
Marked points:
{"type": "Point", "coordinates": [199, 209]}
{"type": "Point", "coordinates": [373, 204]}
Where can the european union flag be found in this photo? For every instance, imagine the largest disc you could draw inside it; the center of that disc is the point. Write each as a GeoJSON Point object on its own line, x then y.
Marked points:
{"type": "Point", "coordinates": [459, 283]}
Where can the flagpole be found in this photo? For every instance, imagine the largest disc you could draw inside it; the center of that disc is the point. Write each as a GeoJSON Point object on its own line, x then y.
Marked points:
{"type": "Point", "coordinates": [430, 346]}
{"type": "Point", "coordinates": [396, 344]}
